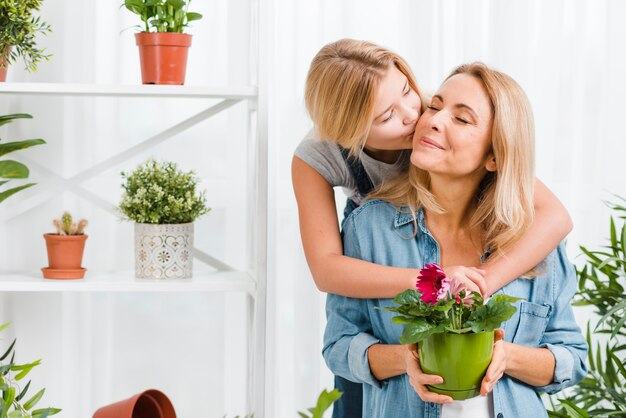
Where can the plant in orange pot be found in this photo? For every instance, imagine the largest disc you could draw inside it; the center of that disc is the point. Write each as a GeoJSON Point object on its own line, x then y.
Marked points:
{"type": "Point", "coordinates": [18, 29]}
{"type": "Point", "coordinates": [162, 44]}
{"type": "Point", "coordinates": [65, 249]}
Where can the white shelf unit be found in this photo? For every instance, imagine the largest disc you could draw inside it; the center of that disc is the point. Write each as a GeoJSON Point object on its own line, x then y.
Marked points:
{"type": "Point", "coordinates": [225, 279]}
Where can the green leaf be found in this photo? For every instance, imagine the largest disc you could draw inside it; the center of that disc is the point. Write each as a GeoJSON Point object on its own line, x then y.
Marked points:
{"type": "Point", "coordinates": [10, 169]}
{"type": "Point", "coordinates": [191, 16]}
{"type": "Point", "coordinates": [324, 401]}
{"type": "Point", "coordinates": [24, 369]}
{"type": "Point", "coordinates": [9, 147]}
{"type": "Point", "coordinates": [9, 118]}
{"type": "Point", "coordinates": [23, 392]}
{"type": "Point", "coordinates": [419, 330]}
{"type": "Point", "coordinates": [573, 410]}
{"type": "Point", "coordinates": [8, 193]}
{"type": "Point", "coordinates": [8, 396]}
{"type": "Point", "coordinates": [32, 401]}
{"type": "Point", "coordinates": [6, 354]}
{"type": "Point", "coordinates": [4, 326]}
{"type": "Point", "coordinates": [45, 412]}
{"type": "Point", "coordinates": [490, 316]}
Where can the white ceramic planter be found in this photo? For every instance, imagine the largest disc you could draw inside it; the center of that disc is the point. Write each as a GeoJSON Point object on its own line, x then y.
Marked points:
{"type": "Point", "coordinates": [163, 251]}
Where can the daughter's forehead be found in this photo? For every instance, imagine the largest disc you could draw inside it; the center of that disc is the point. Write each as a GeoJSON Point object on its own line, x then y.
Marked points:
{"type": "Point", "coordinates": [390, 87]}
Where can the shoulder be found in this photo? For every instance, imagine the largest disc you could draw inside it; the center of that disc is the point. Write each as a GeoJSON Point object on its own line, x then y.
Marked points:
{"type": "Point", "coordinates": [312, 146]}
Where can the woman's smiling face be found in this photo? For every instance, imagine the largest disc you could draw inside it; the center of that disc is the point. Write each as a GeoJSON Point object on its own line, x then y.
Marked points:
{"type": "Point", "coordinates": [453, 136]}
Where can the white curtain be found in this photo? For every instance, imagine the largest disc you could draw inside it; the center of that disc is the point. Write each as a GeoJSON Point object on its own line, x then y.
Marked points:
{"type": "Point", "coordinates": [567, 55]}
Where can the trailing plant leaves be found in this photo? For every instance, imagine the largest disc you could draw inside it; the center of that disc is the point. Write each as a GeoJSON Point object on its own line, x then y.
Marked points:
{"type": "Point", "coordinates": [6, 354]}
{"type": "Point", "coordinates": [45, 412]}
{"type": "Point", "coordinates": [24, 369]}
{"type": "Point", "coordinates": [32, 401]}
{"type": "Point", "coordinates": [491, 315]}
{"type": "Point", "coordinates": [23, 392]}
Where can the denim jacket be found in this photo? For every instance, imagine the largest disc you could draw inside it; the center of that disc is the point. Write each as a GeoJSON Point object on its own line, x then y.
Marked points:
{"type": "Point", "coordinates": [378, 233]}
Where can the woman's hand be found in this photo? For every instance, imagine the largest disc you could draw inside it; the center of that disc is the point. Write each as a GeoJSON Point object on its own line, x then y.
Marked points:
{"type": "Point", "coordinates": [472, 277]}
{"type": "Point", "coordinates": [498, 364]}
{"type": "Point", "coordinates": [419, 380]}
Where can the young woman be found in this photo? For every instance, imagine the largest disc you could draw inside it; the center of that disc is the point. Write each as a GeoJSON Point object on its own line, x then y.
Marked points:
{"type": "Point", "coordinates": [364, 104]}
{"type": "Point", "coordinates": [467, 196]}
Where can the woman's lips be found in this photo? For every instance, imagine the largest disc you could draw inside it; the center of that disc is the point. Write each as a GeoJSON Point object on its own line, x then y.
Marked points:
{"type": "Point", "coordinates": [429, 143]}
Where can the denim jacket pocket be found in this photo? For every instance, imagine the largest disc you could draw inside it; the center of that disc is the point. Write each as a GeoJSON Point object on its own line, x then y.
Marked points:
{"type": "Point", "coordinates": [533, 319]}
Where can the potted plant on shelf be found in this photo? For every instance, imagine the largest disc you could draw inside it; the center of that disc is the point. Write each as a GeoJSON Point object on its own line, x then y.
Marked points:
{"type": "Point", "coordinates": [18, 29]}
{"type": "Point", "coordinates": [12, 404]}
{"type": "Point", "coordinates": [454, 329]}
{"type": "Point", "coordinates": [162, 44]}
{"type": "Point", "coordinates": [9, 169]}
{"type": "Point", "coordinates": [65, 249]}
{"type": "Point", "coordinates": [163, 202]}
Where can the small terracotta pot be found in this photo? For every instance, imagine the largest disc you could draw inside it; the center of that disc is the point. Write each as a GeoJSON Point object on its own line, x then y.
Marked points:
{"type": "Point", "coordinates": [163, 57]}
{"type": "Point", "coordinates": [148, 404]}
{"type": "Point", "coordinates": [65, 256]}
{"type": "Point", "coordinates": [4, 64]}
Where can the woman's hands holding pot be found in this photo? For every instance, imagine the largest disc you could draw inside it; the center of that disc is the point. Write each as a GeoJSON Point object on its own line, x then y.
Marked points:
{"type": "Point", "coordinates": [419, 380]}
{"type": "Point", "coordinates": [498, 364]}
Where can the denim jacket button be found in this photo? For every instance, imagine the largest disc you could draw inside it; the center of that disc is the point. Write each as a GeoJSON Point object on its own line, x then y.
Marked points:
{"type": "Point", "coordinates": [500, 415]}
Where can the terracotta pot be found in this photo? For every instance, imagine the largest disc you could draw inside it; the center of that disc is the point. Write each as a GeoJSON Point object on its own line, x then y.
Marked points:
{"type": "Point", "coordinates": [4, 64]}
{"type": "Point", "coordinates": [65, 256]}
{"type": "Point", "coordinates": [461, 359]}
{"type": "Point", "coordinates": [163, 57]}
{"type": "Point", "coordinates": [149, 404]}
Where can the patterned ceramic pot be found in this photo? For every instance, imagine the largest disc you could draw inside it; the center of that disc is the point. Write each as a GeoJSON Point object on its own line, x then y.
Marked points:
{"type": "Point", "coordinates": [163, 251]}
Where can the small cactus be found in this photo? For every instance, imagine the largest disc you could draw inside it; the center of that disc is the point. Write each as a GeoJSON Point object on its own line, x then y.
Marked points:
{"type": "Point", "coordinates": [66, 226]}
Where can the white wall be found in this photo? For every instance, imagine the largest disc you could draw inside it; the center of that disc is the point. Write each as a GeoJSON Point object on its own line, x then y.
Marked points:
{"type": "Point", "coordinates": [567, 54]}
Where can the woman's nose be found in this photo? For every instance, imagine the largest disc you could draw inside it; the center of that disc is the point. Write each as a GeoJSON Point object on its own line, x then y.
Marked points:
{"type": "Point", "coordinates": [411, 114]}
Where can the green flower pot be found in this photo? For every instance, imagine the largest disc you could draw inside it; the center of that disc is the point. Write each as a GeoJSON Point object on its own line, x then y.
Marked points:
{"type": "Point", "coordinates": [461, 359]}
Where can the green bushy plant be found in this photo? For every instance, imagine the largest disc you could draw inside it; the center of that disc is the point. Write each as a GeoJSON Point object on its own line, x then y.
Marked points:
{"type": "Point", "coordinates": [13, 170]}
{"type": "Point", "coordinates": [601, 284]}
{"type": "Point", "coordinates": [163, 15]}
{"type": "Point", "coordinates": [18, 29]}
{"type": "Point", "coordinates": [12, 404]}
{"type": "Point", "coordinates": [160, 193]}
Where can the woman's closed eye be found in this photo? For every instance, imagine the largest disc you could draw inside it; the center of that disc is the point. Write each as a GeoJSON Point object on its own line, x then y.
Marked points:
{"type": "Point", "coordinates": [462, 120]}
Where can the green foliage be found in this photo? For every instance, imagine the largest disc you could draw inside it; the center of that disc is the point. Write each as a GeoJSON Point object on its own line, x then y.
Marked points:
{"type": "Point", "coordinates": [160, 193]}
{"type": "Point", "coordinates": [10, 169]}
{"type": "Point", "coordinates": [163, 15]}
{"type": "Point", "coordinates": [11, 405]}
{"type": "Point", "coordinates": [18, 28]}
{"type": "Point", "coordinates": [601, 284]}
{"type": "Point", "coordinates": [67, 226]}
{"type": "Point", "coordinates": [421, 319]}
{"type": "Point", "coordinates": [324, 401]}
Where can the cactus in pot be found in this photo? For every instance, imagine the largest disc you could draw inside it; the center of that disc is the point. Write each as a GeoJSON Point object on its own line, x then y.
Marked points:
{"type": "Point", "coordinates": [65, 249]}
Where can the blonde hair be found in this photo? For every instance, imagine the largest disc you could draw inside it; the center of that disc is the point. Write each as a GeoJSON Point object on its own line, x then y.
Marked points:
{"type": "Point", "coordinates": [504, 199]}
{"type": "Point", "coordinates": [341, 87]}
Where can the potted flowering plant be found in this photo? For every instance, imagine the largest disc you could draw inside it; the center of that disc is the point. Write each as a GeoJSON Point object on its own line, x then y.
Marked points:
{"type": "Point", "coordinates": [163, 202]}
{"type": "Point", "coordinates": [65, 249]}
{"type": "Point", "coordinates": [453, 327]}
{"type": "Point", "coordinates": [162, 44]}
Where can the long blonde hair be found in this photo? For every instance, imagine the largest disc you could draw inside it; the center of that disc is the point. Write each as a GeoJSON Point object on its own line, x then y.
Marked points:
{"type": "Point", "coordinates": [341, 87]}
{"type": "Point", "coordinates": [504, 199]}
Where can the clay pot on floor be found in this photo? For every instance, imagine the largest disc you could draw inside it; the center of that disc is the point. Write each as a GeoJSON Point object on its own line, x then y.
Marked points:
{"type": "Point", "coordinates": [163, 57]}
{"type": "Point", "coordinates": [148, 404]}
{"type": "Point", "coordinates": [65, 256]}
{"type": "Point", "coordinates": [4, 64]}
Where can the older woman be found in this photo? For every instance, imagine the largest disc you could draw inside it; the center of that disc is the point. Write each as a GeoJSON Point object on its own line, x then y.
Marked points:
{"type": "Point", "coordinates": [468, 195]}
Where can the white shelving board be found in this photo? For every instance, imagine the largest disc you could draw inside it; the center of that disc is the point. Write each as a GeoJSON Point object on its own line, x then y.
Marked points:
{"type": "Point", "coordinates": [103, 90]}
{"type": "Point", "coordinates": [125, 281]}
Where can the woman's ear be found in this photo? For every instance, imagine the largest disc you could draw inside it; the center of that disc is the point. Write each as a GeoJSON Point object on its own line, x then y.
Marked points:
{"type": "Point", "coordinates": [491, 165]}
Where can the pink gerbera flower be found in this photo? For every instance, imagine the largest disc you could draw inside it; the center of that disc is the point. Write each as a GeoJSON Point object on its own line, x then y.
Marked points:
{"type": "Point", "coordinates": [432, 283]}
{"type": "Point", "coordinates": [458, 289]}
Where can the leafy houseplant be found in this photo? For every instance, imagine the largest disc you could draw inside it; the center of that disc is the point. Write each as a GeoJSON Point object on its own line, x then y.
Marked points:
{"type": "Point", "coordinates": [162, 44]}
{"type": "Point", "coordinates": [163, 201]}
{"type": "Point", "coordinates": [11, 401]}
{"type": "Point", "coordinates": [65, 249]}
{"type": "Point", "coordinates": [9, 169]}
{"type": "Point", "coordinates": [18, 29]}
{"type": "Point", "coordinates": [453, 327]}
{"type": "Point", "coordinates": [601, 284]}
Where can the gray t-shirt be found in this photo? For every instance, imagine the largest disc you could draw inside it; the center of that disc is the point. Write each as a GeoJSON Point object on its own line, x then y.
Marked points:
{"type": "Point", "coordinates": [325, 157]}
